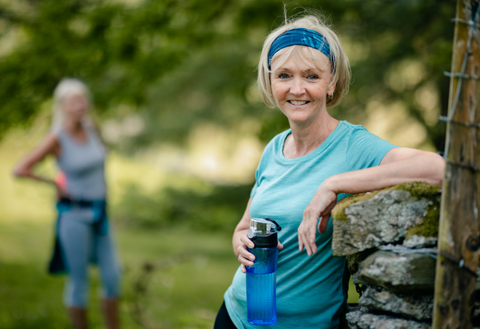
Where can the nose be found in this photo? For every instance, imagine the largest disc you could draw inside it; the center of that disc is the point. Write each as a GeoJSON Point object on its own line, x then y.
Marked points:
{"type": "Point", "coordinates": [297, 88]}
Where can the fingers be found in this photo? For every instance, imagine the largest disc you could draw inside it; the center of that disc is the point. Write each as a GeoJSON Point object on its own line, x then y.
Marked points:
{"type": "Point", "coordinates": [280, 245]}
{"type": "Point", "coordinates": [244, 257]}
{"type": "Point", "coordinates": [306, 238]}
{"type": "Point", "coordinates": [246, 241]}
{"type": "Point", "coordinates": [322, 226]}
{"type": "Point", "coordinates": [307, 231]}
{"type": "Point", "coordinates": [243, 268]}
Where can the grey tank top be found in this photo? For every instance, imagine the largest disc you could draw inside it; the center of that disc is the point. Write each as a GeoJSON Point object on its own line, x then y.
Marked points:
{"type": "Point", "coordinates": [83, 165]}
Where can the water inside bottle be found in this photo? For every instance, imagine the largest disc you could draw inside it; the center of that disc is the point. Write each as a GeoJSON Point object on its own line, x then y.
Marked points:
{"type": "Point", "coordinates": [261, 295]}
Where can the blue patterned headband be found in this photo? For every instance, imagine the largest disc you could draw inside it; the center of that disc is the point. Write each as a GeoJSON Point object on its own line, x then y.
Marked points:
{"type": "Point", "coordinates": [301, 37]}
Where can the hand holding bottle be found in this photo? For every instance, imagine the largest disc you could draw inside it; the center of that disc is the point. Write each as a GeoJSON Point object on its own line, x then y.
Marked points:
{"type": "Point", "coordinates": [245, 257]}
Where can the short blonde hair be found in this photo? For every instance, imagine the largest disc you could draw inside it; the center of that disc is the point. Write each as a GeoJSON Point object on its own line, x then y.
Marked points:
{"type": "Point", "coordinates": [67, 87]}
{"type": "Point", "coordinates": [341, 71]}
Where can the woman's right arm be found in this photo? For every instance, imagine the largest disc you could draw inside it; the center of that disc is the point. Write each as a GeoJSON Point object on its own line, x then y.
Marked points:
{"type": "Point", "coordinates": [241, 241]}
{"type": "Point", "coordinates": [48, 146]}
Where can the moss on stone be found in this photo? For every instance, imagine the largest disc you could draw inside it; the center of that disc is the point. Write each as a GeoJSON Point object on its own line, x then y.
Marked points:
{"type": "Point", "coordinates": [419, 189]}
{"type": "Point", "coordinates": [431, 222]}
{"type": "Point", "coordinates": [416, 189]}
{"type": "Point", "coordinates": [429, 227]}
{"type": "Point", "coordinates": [339, 211]}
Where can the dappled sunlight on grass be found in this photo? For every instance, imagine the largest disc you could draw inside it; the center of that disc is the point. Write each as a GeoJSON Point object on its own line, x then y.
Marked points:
{"type": "Point", "coordinates": [190, 254]}
{"type": "Point", "coordinates": [186, 294]}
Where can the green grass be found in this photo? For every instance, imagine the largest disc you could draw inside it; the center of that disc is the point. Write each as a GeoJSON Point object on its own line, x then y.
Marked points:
{"type": "Point", "coordinates": [185, 293]}
{"type": "Point", "coordinates": [192, 269]}
{"type": "Point", "coordinates": [191, 272]}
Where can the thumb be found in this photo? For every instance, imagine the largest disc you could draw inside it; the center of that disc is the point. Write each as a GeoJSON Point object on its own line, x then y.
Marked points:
{"type": "Point", "coordinates": [322, 226]}
{"type": "Point", "coordinates": [280, 245]}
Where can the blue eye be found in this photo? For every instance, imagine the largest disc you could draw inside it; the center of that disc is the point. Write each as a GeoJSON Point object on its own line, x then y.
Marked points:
{"type": "Point", "coordinates": [312, 77]}
{"type": "Point", "coordinates": [283, 76]}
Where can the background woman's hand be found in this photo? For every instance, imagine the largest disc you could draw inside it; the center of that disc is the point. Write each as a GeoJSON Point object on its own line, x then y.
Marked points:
{"type": "Point", "coordinates": [61, 192]}
{"type": "Point", "coordinates": [320, 207]}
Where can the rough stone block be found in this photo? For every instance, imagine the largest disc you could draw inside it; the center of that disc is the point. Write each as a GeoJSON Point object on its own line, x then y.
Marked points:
{"type": "Point", "coordinates": [362, 320]}
{"type": "Point", "coordinates": [399, 272]}
{"type": "Point", "coordinates": [414, 306]}
{"type": "Point", "coordinates": [383, 217]}
{"type": "Point", "coordinates": [354, 260]}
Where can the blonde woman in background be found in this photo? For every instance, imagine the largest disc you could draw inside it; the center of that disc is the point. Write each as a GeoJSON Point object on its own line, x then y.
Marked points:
{"type": "Point", "coordinates": [82, 232]}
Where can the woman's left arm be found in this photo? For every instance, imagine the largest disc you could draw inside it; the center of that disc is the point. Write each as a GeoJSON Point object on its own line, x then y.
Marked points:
{"type": "Point", "coordinates": [399, 165]}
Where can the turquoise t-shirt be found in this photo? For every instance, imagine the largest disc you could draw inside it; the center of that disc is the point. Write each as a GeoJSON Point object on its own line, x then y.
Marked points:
{"type": "Point", "coordinates": [309, 289]}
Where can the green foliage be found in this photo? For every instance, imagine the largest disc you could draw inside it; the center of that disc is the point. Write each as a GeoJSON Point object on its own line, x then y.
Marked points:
{"type": "Point", "coordinates": [117, 50]}
{"type": "Point", "coordinates": [177, 63]}
{"type": "Point", "coordinates": [218, 210]}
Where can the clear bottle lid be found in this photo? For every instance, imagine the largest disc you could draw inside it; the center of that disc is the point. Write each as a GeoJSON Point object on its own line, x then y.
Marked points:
{"type": "Point", "coordinates": [262, 227]}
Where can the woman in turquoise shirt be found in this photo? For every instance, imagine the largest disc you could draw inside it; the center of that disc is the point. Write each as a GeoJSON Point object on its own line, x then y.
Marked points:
{"type": "Point", "coordinates": [303, 171]}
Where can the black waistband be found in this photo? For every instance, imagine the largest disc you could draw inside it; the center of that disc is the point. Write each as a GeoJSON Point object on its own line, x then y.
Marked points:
{"type": "Point", "coordinates": [79, 203]}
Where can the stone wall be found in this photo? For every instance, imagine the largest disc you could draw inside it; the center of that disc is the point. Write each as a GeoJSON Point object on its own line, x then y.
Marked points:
{"type": "Point", "coordinates": [389, 238]}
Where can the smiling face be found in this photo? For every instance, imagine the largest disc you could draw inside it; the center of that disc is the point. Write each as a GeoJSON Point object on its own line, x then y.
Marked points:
{"type": "Point", "coordinates": [75, 106]}
{"type": "Point", "coordinates": [300, 87]}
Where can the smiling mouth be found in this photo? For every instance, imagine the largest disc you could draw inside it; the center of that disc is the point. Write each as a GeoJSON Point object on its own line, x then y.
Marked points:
{"type": "Point", "coordinates": [298, 102]}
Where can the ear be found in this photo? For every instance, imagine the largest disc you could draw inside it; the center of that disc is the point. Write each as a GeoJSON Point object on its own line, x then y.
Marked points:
{"type": "Point", "coordinates": [331, 87]}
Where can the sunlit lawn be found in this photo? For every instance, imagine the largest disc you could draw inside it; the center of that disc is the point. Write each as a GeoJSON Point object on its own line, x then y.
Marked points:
{"type": "Point", "coordinates": [185, 289]}
{"type": "Point", "coordinates": [186, 293]}
{"type": "Point", "coordinates": [191, 268]}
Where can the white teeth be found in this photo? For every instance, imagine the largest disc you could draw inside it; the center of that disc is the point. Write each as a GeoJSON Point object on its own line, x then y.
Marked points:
{"type": "Point", "coordinates": [298, 102]}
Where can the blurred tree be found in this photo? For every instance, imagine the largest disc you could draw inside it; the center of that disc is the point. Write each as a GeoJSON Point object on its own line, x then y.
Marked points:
{"type": "Point", "coordinates": [118, 50]}
{"type": "Point", "coordinates": [176, 63]}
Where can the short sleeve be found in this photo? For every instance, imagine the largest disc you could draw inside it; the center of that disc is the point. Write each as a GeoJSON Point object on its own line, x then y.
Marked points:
{"type": "Point", "coordinates": [365, 149]}
{"type": "Point", "coordinates": [254, 190]}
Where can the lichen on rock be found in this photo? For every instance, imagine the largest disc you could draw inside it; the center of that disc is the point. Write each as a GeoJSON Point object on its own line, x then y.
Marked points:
{"type": "Point", "coordinates": [387, 216]}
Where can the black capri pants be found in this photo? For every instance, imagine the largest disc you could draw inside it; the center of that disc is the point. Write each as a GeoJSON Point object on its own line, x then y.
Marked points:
{"type": "Point", "coordinates": [223, 320]}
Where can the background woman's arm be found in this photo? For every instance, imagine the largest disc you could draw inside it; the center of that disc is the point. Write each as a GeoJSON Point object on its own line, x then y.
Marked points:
{"type": "Point", "coordinates": [25, 167]}
{"type": "Point", "coordinates": [400, 165]}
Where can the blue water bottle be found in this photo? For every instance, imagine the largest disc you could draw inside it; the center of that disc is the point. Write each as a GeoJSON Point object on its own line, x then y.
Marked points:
{"type": "Point", "coordinates": [262, 276]}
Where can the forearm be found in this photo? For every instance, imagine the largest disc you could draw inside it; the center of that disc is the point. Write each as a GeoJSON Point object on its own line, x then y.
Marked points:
{"type": "Point", "coordinates": [428, 167]}
{"type": "Point", "coordinates": [25, 167]}
{"type": "Point", "coordinates": [33, 176]}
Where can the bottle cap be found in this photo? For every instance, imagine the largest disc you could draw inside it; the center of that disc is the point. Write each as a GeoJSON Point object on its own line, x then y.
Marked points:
{"type": "Point", "coordinates": [263, 232]}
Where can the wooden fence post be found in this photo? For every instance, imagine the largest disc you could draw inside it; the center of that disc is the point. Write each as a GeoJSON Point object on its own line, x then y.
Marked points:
{"type": "Point", "coordinates": [459, 239]}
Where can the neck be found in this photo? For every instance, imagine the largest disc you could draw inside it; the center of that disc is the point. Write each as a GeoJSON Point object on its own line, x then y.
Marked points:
{"type": "Point", "coordinates": [306, 138]}
{"type": "Point", "coordinates": [73, 125]}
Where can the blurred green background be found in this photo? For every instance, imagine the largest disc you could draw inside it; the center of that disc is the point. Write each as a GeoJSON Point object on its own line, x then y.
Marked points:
{"type": "Point", "coordinates": [174, 92]}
